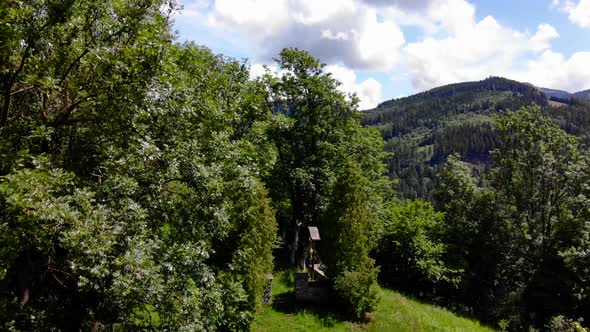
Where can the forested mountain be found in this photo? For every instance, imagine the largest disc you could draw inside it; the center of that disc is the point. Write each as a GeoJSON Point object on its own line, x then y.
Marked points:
{"type": "Point", "coordinates": [582, 94]}
{"type": "Point", "coordinates": [585, 94]}
{"type": "Point", "coordinates": [423, 129]}
{"type": "Point", "coordinates": [555, 93]}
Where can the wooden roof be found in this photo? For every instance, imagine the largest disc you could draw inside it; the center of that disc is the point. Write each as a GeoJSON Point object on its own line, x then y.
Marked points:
{"type": "Point", "coordinates": [314, 233]}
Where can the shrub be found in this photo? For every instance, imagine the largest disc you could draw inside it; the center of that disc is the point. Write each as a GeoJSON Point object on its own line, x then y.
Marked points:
{"type": "Point", "coordinates": [358, 290]}
{"type": "Point", "coordinates": [563, 324]}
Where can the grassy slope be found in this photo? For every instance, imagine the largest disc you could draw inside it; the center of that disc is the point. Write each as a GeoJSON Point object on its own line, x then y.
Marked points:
{"type": "Point", "coordinates": [394, 313]}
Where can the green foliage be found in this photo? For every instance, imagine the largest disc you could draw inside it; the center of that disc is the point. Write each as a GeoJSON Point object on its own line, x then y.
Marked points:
{"type": "Point", "coordinates": [562, 324]}
{"type": "Point", "coordinates": [141, 181]}
{"type": "Point", "coordinates": [577, 259]}
{"type": "Point", "coordinates": [539, 169]}
{"type": "Point", "coordinates": [573, 118]}
{"type": "Point", "coordinates": [359, 290]}
{"type": "Point", "coordinates": [517, 240]}
{"type": "Point", "coordinates": [135, 172]}
{"type": "Point", "coordinates": [540, 176]}
{"type": "Point", "coordinates": [319, 117]}
{"type": "Point", "coordinates": [329, 174]}
{"type": "Point", "coordinates": [412, 251]}
{"type": "Point", "coordinates": [480, 241]}
{"type": "Point", "coordinates": [69, 59]}
{"type": "Point", "coordinates": [350, 229]}
{"type": "Point", "coordinates": [353, 222]}
{"type": "Point", "coordinates": [131, 193]}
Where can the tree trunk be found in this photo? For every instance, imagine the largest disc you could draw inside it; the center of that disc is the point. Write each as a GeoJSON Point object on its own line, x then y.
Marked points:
{"type": "Point", "coordinates": [23, 271]}
{"type": "Point", "coordinates": [5, 107]}
{"type": "Point", "coordinates": [295, 245]}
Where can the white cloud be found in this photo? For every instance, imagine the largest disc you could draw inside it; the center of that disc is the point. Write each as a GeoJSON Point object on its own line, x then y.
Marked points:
{"type": "Point", "coordinates": [257, 70]}
{"type": "Point", "coordinates": [310, 12]}
{"type": "Point", "coordinates": [554, 70]}
{"type": "Point", "coordinates": [368, 35]}
{"type": "Point", "coordinates": [402, 4]}
{"type": "Point", "coordinates": [578, 13]}
{"type": "Point", "coordinates": [345, 31]}
{"type": "Point", "coordinates": [472, 50]}
{"type": "Point", "coordinates": [369, 91]}
{"type": "Point", "coordinates": [251, 16]}
{"type": "Point", "coordinates": [379, 42]}
{"type": "Point", "coordinates": [545, 33]}
{"type": "Point", "coordinates": [328, 34]}
{"type": "Point", "coordinates": [455, 16]}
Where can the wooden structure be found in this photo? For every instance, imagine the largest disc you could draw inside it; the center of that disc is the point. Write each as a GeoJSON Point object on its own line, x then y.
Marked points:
{"type": "Point", "coordinates": [312, 286]}
{"type": "Point", "coordinates": [313, 265]}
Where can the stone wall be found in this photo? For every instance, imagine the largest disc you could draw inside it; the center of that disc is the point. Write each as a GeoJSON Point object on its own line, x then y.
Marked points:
{"type": "Point", "coordinates": [310, 291]}
{"type": "Point", "coordinates": [267, 296]}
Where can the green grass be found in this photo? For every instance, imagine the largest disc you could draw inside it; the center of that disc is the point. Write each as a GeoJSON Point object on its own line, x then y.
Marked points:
{"type": "Point", "coordinates": [395, 312]}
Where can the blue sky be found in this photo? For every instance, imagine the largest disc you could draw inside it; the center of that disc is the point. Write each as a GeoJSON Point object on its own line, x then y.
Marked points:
{"type": "Point", "coordinates": [384, 49]}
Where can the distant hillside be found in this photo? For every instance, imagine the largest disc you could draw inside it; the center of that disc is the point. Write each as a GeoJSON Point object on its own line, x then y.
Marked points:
{"type": "Point", "coordinates": [582, 94]}
{"type": "Point", "coordinates": [454, 90]}
{"type": "Point", "coordinates": [555, 93]}
{"type": "Point", "coordinates": [564, 94]}
{"type": "Point", "coordinates": [423, 129]}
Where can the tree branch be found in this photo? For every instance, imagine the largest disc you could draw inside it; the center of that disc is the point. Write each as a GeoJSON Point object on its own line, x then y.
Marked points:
{"type": "Point", "coordinates": [22, 90]}
{"type": "Point", "coordinates": [8, 88]}
{"type": "Point", "coordinates": [67, 72]}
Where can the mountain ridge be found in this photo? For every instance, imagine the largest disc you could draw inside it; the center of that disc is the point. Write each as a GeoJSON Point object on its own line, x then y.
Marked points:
{"type": "Point", "coordinates": [423, 129]}
{"type": "Point", "coordinates": [585, 94]}
{"type": "Point", "coordinates": [582, 94]}
{"type": "Point", "coordinates": [548, 92]}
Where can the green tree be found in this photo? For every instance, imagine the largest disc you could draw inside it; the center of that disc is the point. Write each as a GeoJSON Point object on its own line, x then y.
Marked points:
{"type": "Point", "coordinates": [481, 241]}
{"type": "Point", "coordinates": [412, 252]}
{"type": "Point", "coordinates": [538, 172]}
{"type": "Point", "coordinates": [73, 73]}
{"type": "Point", "coordinates": [518, 240]}
{"type": "Point", "coordinates": [316, 113]}
{"type": "Point", "coordinates": [350, 229]}
{"type": "Point", "coordinates": [539, 175]}
{"type": "Point", "coordinates": [68, 59]}
{"type": "Point", "coordinates": [324, 158]}
{"type": "Point", "coordinates": [130, 195]}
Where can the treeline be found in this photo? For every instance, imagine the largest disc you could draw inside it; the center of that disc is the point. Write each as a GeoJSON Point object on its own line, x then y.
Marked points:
{"type": "Point", "coordinates": [512, 252]}
{"type": "Point", "coordinates": [573, 118]}
{"type": "Point", "coordinates": [473, 142]}
{"type": "Point", "coordinates": [141, 181]}
{"type": "Point", "coordinates": [499, 232]}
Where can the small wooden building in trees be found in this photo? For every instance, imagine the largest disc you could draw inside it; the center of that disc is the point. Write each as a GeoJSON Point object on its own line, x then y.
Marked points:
{"type": "Point", "coordinates": [313, 265]}
{"type": "Point", "coordinates": [311, 285]}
